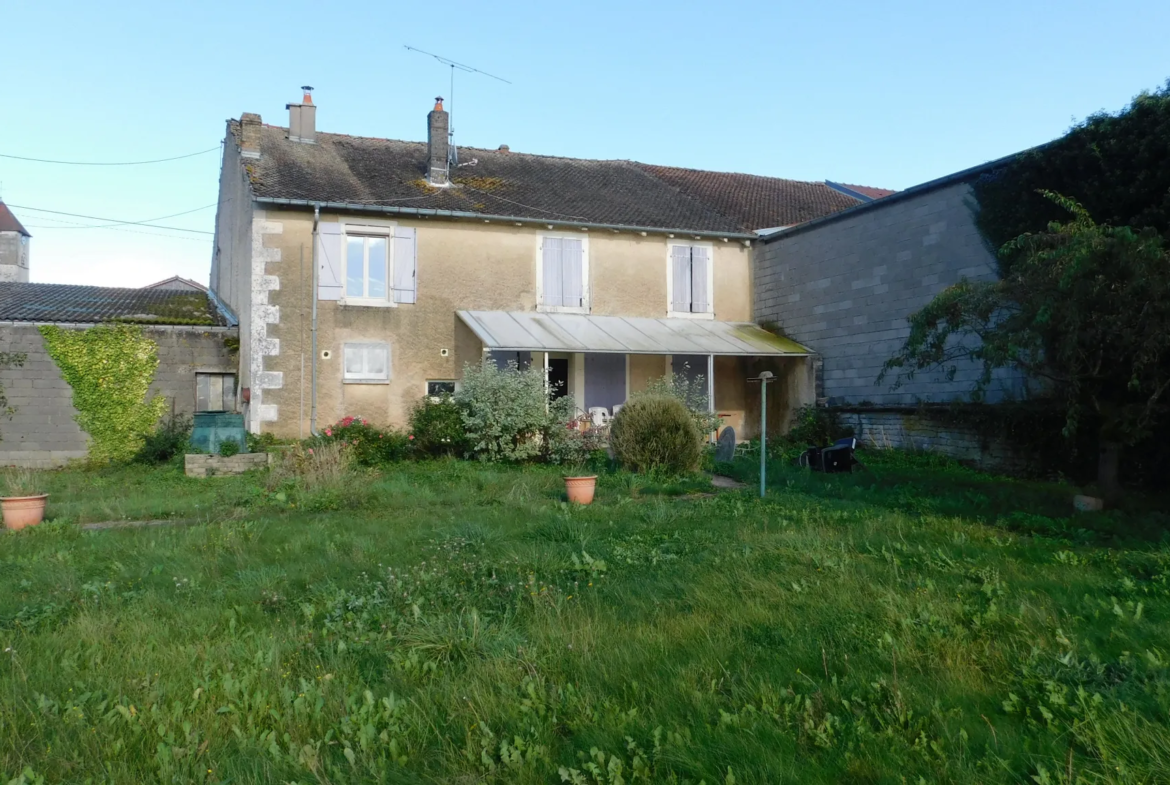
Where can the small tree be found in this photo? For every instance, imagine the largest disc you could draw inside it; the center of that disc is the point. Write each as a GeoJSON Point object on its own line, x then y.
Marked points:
{"type": "Point", "coordinates": [1083, 307]}
{"type": "Point", "coordinates": [507, 414]}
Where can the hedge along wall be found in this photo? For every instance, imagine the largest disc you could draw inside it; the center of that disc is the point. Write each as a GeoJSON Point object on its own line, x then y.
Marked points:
{"type": "Point", "coordinates": [44, 428]}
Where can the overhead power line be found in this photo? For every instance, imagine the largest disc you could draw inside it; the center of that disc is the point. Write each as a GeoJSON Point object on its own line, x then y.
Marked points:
{"type": "Point", "coordinates": [115, 221]}
{"type": "Point", "coordinates": [144, 222]}
{"type": "Point", "coordinates": [108, 163]}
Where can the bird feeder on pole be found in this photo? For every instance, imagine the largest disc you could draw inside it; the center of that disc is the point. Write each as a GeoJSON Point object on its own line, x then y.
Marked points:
{"type": "Point", "coordinates": [763, 379]}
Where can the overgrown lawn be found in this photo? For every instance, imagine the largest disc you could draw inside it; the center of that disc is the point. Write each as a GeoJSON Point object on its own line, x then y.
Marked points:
{"type": "Point", "coordinates": [917, 622]}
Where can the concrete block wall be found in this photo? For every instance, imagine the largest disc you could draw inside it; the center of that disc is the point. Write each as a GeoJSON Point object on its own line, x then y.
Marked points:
{"type": "Point", "coordinates": [917, 431]}
{"type": "Point", "coordinates": [43, 431]}
{"type": "Point", "coordinates": [845, 288]}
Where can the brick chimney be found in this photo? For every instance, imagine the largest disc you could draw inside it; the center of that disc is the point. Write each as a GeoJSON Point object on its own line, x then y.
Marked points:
{"type": "Point", "coordinates": [250, 135]}
{"type": "Point", "coordinates": [438, 143]}
{"type": "Point", "coordinates": [302, 119]}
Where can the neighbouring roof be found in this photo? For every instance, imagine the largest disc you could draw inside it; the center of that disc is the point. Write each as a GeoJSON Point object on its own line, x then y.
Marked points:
{"type": "Point", "coordinates": [178, 283]}
{"type": "Point", "coordinates": [385, 173]}
{"type": "Point", "coordinates": [9, 222]}
{"type": "Point", "coordinates": [50, 302]}
{"type": "Point", "coordinates": [560, 332]}
{"type": "Point", "coordinates": [862, 192]}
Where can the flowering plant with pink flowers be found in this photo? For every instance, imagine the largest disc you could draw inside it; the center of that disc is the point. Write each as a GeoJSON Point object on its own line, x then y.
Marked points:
{"type": "Point", "coordinates": [368, 444]}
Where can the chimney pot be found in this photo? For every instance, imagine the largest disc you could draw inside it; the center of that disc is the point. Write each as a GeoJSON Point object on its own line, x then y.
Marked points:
{"type": "Point", "coordinates": [438, 145]}
{"type": "Point", "coordinates": [250, 135]}
{"type": "Point", "coordinates": [302, 119]}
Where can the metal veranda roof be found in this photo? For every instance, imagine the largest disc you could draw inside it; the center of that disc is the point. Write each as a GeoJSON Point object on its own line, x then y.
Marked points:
{"type": "Point", "coordinates": [563, 332]}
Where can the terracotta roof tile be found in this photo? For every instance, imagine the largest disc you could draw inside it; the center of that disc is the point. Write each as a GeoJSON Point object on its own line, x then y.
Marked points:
{"type": "Point", "coordinates": [9, 222]}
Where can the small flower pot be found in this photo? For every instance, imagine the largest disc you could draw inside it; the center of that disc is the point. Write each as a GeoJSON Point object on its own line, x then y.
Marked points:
{"type": "Point", "coordinates": [580, 489]}
{"type": "Point", "coordinates": [22, 511]}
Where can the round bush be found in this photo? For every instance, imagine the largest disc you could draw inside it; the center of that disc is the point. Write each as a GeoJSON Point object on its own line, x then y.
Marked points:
{"type": "Point", "coordinates": [656, 433]}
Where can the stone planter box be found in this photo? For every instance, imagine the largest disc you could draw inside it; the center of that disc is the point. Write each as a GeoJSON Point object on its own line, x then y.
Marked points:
{"type": "Point", "coordinates": [196, 465]}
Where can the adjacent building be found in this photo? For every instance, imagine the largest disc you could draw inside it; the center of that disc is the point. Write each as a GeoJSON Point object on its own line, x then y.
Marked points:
{"type": "Point", "coordinates": [14, 241]}
{"type": "Point", "coordinates": [366, 273]}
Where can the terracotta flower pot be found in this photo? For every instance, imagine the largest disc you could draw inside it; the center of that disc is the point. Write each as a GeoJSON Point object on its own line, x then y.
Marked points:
{"type": "Point", "coordinates": [22, 511]}
{"type": "Point", "coordinates": [580, 489]}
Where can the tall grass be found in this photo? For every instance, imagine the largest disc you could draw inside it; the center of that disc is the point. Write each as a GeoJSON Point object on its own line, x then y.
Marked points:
{"type": "Point", "coordinates": [466, 625]}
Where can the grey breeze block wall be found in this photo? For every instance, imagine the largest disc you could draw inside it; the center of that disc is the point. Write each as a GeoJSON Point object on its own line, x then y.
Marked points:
{"type": "Point", "coordinates": [844, 287]}
{"type": "Point", "coordinates": [42, 431]}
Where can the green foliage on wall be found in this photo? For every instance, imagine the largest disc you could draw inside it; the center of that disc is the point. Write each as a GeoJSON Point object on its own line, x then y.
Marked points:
{"type": "Point", "coordinates": [8, 360]}
{"type": "Point", "coordinates": [110, 368]}
{"type": "Point", "coordinates": [1112, 164]}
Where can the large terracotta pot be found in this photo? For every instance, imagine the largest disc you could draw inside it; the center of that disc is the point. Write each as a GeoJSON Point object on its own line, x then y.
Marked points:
{"type": "Point", "coordinates": [22, 511]}
{"type": "Point", "coordinates": [580, 489]}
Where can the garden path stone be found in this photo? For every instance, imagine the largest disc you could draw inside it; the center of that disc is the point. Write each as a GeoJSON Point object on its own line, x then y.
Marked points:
{"type": "Point", "coordinates": [726, 483]}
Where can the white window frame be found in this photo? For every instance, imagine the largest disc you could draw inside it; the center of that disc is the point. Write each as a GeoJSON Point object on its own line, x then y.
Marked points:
{"type": "Point", "coordinates": [586, 289]}
{"type": "Point", "coordinates": [383, 229]}
{"type": "Point", "coordinates": [710, 312]}
{"type": "Point", "coordinates": [364, 378]}
{"type": "Point", "coordinates": [427, 387]}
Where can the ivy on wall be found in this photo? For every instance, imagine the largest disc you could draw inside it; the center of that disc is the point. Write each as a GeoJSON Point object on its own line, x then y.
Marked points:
{"type": "Point", "coordinates": [110, 368]}
{"type": "Point", "coordinates": [9, 360]}
{"type": "Point", "coordinates": [1112, 164]}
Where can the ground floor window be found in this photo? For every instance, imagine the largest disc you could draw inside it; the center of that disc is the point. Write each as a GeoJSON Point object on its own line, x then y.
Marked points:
{"type": "Point", "coordinates": [438, 388]}
{"type": "Point", "coordinates": [215, 392]}
{"type": "Point", "coordinates": [367, 362]}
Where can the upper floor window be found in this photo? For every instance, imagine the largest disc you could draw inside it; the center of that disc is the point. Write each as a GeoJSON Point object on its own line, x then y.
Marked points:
{"type": "Point", "coordinates": [366, 264]}
{"type": "Point", "coordinates": [690, 280]}
{"type": "Point", "coordinates": [563, 273]}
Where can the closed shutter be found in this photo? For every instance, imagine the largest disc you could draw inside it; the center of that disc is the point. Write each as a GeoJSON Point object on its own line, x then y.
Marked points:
{"type": "Point", "coordinates": [329, 261]}
{"type": "Point", "coordinates": [680, 270]}
{"type": "Point", "coordinates": [572, 272]}
{"type": "Point", "coordinates": [405, 265]}
{"type": "Point", "coordinates": [700, 297]}
{"type": "Point", "coordinates": [552, 271]}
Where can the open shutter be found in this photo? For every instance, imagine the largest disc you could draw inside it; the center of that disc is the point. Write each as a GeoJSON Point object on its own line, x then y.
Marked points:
{"type": "Point", "coordinates": [405, 265]}
{"type": "Point", "coordinates": [700, 297]}
{"type": "Point", "coordinates": [572, 272]}
{"type": "Point", "coordinates": [552, 273]}
{"type": "Point", "coordinates": [680, 270]}
{"type": "Point", "coordinates": [329, 261]}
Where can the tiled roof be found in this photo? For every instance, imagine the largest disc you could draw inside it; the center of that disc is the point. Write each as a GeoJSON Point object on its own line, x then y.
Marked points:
{"type": "Point", "coordinates": [756, 202]}
{"type": "Point", "coordinates": [9, 223]}
{"type": "Point", "coordinates": [50, 302]}
{"type": "Point", "coordinates": [865, 190]}
{"type": "Point", "coordinates": [391, 173]}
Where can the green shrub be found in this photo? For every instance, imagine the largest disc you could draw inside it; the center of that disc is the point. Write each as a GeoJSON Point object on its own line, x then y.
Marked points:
{"type": "Point", "coordinates": [261, 442]}
{"type": "Point", "coordinates": [656, 433]}
{"type": "Point", "coordinates": [817, 426]}
{"type": "Point", "coordinates": [693, 395]}
{"type": "Point", "coordinates": [368, 446]}
{"type": "Point", "coordinates": [507, 415]}
{"type": "Point", "coordinates": [436, 427]}
{"type": "Point", "coordinates": [229, 448]}
{"type": "Point", "coordinates": [169, 439]}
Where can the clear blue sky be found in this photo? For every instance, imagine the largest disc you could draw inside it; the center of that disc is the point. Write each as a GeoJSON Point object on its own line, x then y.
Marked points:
{"type": "Point", "coordinates": [878, 93]}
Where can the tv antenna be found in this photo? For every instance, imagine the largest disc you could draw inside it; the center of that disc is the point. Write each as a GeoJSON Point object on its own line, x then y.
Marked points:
{"type": "Point", "coordinates": [451, 96]}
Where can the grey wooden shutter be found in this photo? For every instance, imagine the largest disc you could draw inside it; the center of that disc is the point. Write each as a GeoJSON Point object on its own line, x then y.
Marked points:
{"type": "Point", "coordinates": [552, 273]}
{"type": "Point", "coordinates": [405, 265]}
{"type": "Point", "coordinates": [680, 270]}
{"type": "Point", "coordinates": [329, 261]}
{"type": "Point", "coordinates": [700, 297]}
{"type": "Point", "coordinates": [573, 273]}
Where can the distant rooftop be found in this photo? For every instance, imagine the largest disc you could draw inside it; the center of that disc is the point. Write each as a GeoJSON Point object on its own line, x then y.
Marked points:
{"type": "Point", "coordinates": [9, 222]}
{"type": "Point", "coordinates": [50, 302]}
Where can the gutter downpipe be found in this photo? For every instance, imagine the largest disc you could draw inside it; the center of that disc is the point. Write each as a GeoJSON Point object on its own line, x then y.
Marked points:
{"type": "Point", "coordinates": [313, 331]}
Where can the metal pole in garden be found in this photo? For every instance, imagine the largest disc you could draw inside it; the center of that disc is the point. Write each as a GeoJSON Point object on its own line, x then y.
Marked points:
{"type": "Point", "coordinates": [763, 379]}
